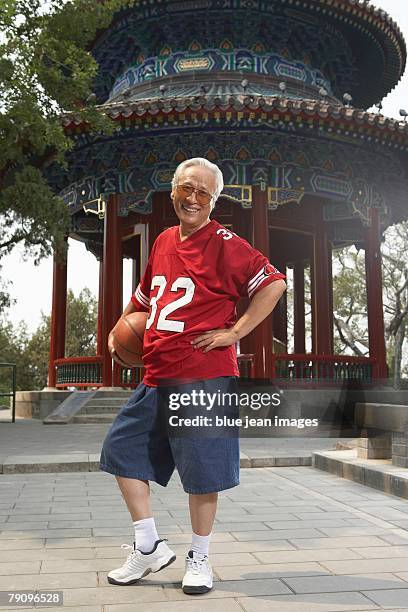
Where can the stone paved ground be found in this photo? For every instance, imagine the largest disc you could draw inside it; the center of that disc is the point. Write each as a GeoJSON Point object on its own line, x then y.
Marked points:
{"type": "Point", "coordinates": [288, 538]}
{"type": "Point", "coordinates": [30, 439]}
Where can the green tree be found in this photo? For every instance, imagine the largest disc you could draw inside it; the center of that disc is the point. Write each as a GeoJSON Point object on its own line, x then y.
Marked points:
{"type": "Point", "coordinates": [395, 279]}
{"type": "Point", "coordinates": [31, 353]}
{"type": "Point", "coordinates": [13, 342]}
{"type": "Point", "coordinates": [46, 70]}
{"type": "Point", "coordinates": [350, 302]}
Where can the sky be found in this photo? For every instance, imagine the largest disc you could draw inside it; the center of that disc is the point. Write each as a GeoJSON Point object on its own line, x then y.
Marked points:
{"type": "Point", "coordinates": [32, 285]}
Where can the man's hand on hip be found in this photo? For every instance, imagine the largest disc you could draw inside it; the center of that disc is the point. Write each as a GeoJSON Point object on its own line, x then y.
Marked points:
{"type": "Point", "coordinates": [215, 338]}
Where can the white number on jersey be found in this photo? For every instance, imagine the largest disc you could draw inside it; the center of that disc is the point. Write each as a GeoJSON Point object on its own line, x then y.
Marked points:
{"type": "Point", "coordinates": [183, 282]}
{"type": "Point", "coordinates": [225, 233]}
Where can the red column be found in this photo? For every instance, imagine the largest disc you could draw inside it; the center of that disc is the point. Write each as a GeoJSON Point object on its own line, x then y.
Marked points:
{"type": "Point", "coordinates": [263, 332]}
{"type": "Point", "coordinates": [242, 225]}
{"type": "Point", "coordinates": [112, 286]}
{"type": "Point", "coordinates": [299, 306]}
{"type": "Point", "coordinates": [375, 314]}
{"type": "Point", "coordinates": [321, 330]}
{"type": "Point", "coordinates": [312, 300]}
{"type": "Point", "coordinates": [58, 315]}
{"type": "Point", "coordinates": [330, 288]}
{"type": "Point", "coordinates": [100, 311]}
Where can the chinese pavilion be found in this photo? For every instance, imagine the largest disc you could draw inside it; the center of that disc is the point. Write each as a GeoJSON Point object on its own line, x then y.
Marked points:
{"type": "Point", "coordinates": [275, 92]}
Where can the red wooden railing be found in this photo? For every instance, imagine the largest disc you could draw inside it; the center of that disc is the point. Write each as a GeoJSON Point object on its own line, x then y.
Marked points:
{"type": "Point", "coordinates": [303, 370]}
{"type": "Point", "coordinates": [307, 369]}
{"type": "Point", "coordinates": [83, 372]}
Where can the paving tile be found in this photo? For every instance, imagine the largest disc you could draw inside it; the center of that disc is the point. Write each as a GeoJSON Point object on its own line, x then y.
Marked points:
{"type": "Point", "coordinates": [44, 533]}
{"type": "Point", "coordinates": [80, 565]}
{"type": "Point", "coordinates": [251, 525]}
{"type": "Point", "coordinates": [304, 524]}
{"type": "Point", "coordinates": [344, 542]}
{"type": "Point", "coordinates": [11, 568]}
{"type": "Point", "coordinates": [48, 581]}
{"type": "Point", "coordinates": [234, 588]}
{"type": "Point", "coordinates": [321, 602]}
{"type": "Point", "coordinates": [201, 604]}
{"type": "Point", "coordinates": [22, 525]}
{"type": "Point", "coordinates": [360, 582]}
{"type": "Point", "coordinates": [331, 514]}
{"type": "Point", "coordinates": [270, 570]}
{"type": "Point", "coordinates": [48, 517]}
{"type": "Point", "coordinates": [57, 609]}
{"type": "Point", "coordinates": [382, 552]}
{"type": "Point", "coordinates": [26, 511]}
{"type": "Point", "coordinates": [21, 544]}
{"type": "Point", "coordinates": [396, 538]}
{"type": "Point", "coordinates": [45, 554]}
{"type": "Point", "coordinates": [317, 554]}
{"type": "Point", "coordinates": [248, 518]}
{"type": "Point", "coordinates": [122, 522]}
{"type": "Point", "coordinates": [277, 534]}
{"type": "Point", "coordinates": [350, 531]}
{"type": "Point", "coordinates": [111, 594]}
{"type": "Point", "coordinates": [366, 566]}
{"type": "Point", "coordinates": [388, 597]}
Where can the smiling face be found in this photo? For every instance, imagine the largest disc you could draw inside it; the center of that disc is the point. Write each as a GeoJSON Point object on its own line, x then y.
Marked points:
{"type": "Point", "coordinates": [191, 212]}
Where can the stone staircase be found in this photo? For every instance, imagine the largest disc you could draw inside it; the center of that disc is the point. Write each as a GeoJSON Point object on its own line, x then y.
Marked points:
{"type": "Point", "coordinates": [97, 406]}
{"type": "Point", "coordinates": [102, 407]}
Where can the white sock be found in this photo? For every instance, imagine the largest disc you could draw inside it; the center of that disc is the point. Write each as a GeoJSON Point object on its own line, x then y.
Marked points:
{"type": "Point", "coordinates": [145, 534]}
{"type": "Point", "coordinates": [201, 544]}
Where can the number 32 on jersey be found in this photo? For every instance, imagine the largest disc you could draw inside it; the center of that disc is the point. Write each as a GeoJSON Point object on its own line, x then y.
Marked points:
{"type": "Point", "coordinates": [182, 282]}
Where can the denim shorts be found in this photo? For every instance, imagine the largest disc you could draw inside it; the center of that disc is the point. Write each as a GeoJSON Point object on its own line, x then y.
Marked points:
{"type": "Point", "coordinates": [140, 444]}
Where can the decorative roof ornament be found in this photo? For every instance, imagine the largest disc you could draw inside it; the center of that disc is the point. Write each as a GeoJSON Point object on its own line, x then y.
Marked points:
{"type": "Point", "coordinates": [403, 113]}
{"type": "Point", "coordinates": [347, 98]}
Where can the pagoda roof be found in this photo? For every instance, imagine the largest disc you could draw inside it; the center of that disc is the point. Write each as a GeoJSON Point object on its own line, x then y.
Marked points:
{"type": "Point", "coordinates": [330, 119]}
{"type": "Point", "coordinates": [375, 40]}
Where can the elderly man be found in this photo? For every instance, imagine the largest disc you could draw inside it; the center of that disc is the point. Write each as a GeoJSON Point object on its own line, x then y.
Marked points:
{"type": "Point", "coordinates": [196, 273]}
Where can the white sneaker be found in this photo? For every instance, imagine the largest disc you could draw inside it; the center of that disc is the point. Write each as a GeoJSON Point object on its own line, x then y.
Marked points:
{"type": "Point", "coordinates": [199, 576]}
{"type": "Point", "coordinates": [139, 564]}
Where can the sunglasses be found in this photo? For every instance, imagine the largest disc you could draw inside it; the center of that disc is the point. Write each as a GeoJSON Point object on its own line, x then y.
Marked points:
{"type": "Point", "coordinates": [203, 197]}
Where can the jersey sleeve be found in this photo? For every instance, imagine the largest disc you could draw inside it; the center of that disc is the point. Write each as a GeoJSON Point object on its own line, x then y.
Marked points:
{"type": "Point", "coordinates": [141, 297]}
{"type": "Point", "coordinates": [253, 271]}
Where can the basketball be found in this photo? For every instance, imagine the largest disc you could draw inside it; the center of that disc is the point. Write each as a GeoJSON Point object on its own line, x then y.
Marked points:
{"type": "Point", "coordinates": [128, 338]}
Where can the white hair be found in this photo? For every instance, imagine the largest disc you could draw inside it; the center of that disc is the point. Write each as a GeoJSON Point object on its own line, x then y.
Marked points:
{"type": "Point", "coordinates": [201, 161]}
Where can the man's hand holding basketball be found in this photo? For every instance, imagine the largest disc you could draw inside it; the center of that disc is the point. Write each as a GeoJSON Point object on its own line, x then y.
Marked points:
{"type": "Point", "coordinates": [112, 350]}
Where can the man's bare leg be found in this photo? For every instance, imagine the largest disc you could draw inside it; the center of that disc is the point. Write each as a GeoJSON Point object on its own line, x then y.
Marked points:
{"type": "Point", "coordinates": [136, 494]}
{"type": "Point", "coordinates": [152, 553]}
{"type": "Point", "coordinates": [202, 512]}
{"type": "Point", "coordinates": [199, 576]}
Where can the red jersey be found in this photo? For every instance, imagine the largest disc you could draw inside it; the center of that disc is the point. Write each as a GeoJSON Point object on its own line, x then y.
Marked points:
{"type": "Point", "coordinates": [190, 287]}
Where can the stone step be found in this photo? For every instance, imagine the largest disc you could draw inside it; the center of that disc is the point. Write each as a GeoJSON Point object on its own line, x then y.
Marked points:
{"type": "Point", "coordinates": [114, 401]}
{"type": "Point", "coordinates": [114, 393]}
{"type": "Point", "coordinates": [102, 409]}
{"type": "Point", "coordinates": [94, 418]}
{"type": "Point", "coordinates": [379, 474]}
